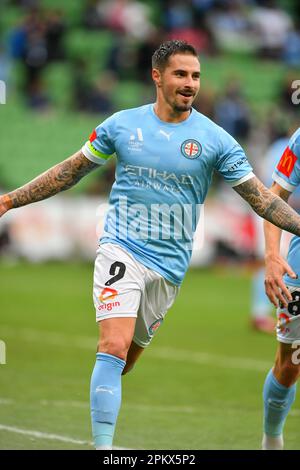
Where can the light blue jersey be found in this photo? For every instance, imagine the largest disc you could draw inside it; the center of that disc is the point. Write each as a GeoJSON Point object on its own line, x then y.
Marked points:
{"type": "Point", "coordinates": [287, 175]}
{"type": "Point", "coordinates": [272, 158]}
{"type": "Point", "coordinates": [163, 173]}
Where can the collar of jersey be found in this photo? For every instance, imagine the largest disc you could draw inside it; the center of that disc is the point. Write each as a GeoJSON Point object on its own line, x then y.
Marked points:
{"type": "Point", "coordinates": [171, 124]}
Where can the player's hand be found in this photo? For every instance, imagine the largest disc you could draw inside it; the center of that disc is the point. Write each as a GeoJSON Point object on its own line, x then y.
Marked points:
{"type": "Point", "coordinates": [5, 204]}
{"type": "Point", "coordinates": [276, 290]}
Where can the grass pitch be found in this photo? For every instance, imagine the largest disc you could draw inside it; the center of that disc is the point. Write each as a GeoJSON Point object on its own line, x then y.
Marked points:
{"type": "Point", "coordinates": [198, 386]}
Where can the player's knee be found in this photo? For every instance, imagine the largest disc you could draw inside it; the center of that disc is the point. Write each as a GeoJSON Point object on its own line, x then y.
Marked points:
{"type": "Point", "coordinates": [292, 374]}
{"type": "Point", "coordinates": [115, 346]}
{"type": "Point", "coordinates": [287, 372]}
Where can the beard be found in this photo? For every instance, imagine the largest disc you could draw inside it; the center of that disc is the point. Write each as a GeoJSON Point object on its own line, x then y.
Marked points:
{"type": "Point", "coordinates": [177, 104]}
{"type": "Point", "coordinates": [181, 108]}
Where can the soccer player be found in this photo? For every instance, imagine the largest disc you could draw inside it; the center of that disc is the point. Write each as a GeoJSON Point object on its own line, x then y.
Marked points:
{"type": "Point", "coordinates": [166, 154]}
{"type": "Point", "coordinates": [261, 309]}
{"type": "Point", "coordinates": [282, 281]}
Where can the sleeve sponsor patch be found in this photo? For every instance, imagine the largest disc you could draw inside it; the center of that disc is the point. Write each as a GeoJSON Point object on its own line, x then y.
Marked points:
{"type": "Point", "coordinates": [93, 136]}
{"type": "Point", "coordinates": [287, 162]}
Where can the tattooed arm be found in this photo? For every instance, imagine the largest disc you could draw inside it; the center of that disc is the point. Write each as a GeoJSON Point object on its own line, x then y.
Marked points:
{"type": "Point", "coordinates": [58, 178]}
{"type": "Point", "coordinates": [269, 206]}
{"type": "Point", "coordinates": [276, 266]}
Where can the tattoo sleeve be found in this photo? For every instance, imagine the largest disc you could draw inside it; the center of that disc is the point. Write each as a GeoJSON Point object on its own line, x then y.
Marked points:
{"type": "Point", "coordinates": [269, 206]}
{"type": "Point", "coordinates": [58, 178]}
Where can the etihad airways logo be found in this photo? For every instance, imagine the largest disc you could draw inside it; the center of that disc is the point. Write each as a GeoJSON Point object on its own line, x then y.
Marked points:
{"type": "Point", "coordinates": [153, 173]}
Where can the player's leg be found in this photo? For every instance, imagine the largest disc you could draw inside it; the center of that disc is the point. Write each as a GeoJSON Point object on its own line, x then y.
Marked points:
{"type": "Point", "coordinates": [280, 384]}
{"type": "Point", "coordinates": [157, 297]}
{"type": "Point", "coordinates": [116, 298]}
{"type": "Point", "coordinates": [114, 341]}
{"type": "Point", "coordinates": [286, 369]}
{"type": "Point", "coordinates": [133, 355]}
{"type": "Point", "coordinates": [279, 395]}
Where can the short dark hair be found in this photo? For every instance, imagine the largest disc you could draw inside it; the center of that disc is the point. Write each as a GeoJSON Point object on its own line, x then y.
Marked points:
{"type": "Point", "coordinates": [166, 49]}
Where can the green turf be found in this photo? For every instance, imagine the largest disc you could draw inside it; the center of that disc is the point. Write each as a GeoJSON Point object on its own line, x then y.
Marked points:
{"type": "Point", "coordinates": [198, 386]}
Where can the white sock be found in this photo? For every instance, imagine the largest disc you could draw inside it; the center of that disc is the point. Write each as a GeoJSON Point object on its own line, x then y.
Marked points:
{"type": "Point", "coordinates": [104, 448]}
{"type": "Point", "coordinates": [272, 443]}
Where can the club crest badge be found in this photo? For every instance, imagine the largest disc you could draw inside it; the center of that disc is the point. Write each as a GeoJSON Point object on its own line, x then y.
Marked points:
{"type": "Point", "coordinates": [191, 149]}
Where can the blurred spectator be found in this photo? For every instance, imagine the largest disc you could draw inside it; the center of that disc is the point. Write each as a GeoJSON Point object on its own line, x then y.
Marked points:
{"type": "Point", "coordinates": [178, 14]}
{"type": "Point", "coordinates": [198, 37]}
{"type": "Point", "coordinates": [26, 4]}
{"type": "Point", "coordinates": [203, 6]}
{"type": "Point", "coordinates": [279, 123]}
{"type": "Point", "coordinates": [37, 97]}
{"type": "Point", "coordinates": [5, 65]}
{"type": "Point", "coordinates": [285, 95]}
{"type": "Point", "coordinates": [55, 33]}
{"type": "Point", "coordinates": [101, 94]}
{"type": "Point", "coordinates": [232, 113]}
{"type": "Point", "coordinates": [80, 85]}
{"type": "Point", "coordinates": [230, 26]}
{"type": "Point", "coordinates": [17, 41]}
{"type": "Point", "coordinates": [91, 97]}
{"type": "Point", "coordinates": [130, 17]}
{"type": "Point", "coordinates": [181, 22]}
{"type": "Point", "coordinates": [5, 240]}
{"type": "Point", "coordinates": [37, 40]}
{"type": "Point", "coordinates": [35, 60]}
{"type": "Point", "coordinates": [123, 57]}
{"type": "Point", "coordinates": [291, 49]}
{"type": "Point", "coordinates": [205, 102]}
{"type": "Point", "coordinates": [271, 25]}
{"type": "Point", "coordinates": [144, 53]}
{"type": "Point", "coordinates": [92, 18]}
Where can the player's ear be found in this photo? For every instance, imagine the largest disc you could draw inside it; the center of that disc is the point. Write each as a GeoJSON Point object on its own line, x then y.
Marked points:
{"type": "Point", "coordinates": [156, 77]}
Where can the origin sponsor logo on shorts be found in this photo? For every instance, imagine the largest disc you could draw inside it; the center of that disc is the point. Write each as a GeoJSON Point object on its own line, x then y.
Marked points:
{"type": "Point", "coordinates": [109, 306]}
{"type": "Point", "coordinates": [106, 297]}
{"type": "Point", "coordinates": [107, 294]}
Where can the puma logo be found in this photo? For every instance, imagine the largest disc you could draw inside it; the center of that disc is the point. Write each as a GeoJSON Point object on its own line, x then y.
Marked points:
{"type": "Point", "coordinates": [168, 136]}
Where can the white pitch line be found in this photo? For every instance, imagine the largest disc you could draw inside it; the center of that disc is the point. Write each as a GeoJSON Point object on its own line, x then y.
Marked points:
{"type": "Point", "coordinates": [50, 437]}
{"type": "Point", "coordinates": [6, 401]}
{"type": "Point", "coordinates": [225, 362]}
{"type": "Point", "coordinates": [133, 406]}
{"type": "Point", "coordinates": [43, 435]}
{"type": "Point", "coordinates": [171, 354]}
{"type": "Point", "coordinates": [85, 405]}
{"type": "Point", "coordinates": [49, 337]}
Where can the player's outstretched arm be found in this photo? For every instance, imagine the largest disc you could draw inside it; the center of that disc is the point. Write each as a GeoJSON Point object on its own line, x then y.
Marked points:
{"type": "Point", "coordinates": [62, 176]}
{"type": "Point", "coordinates": [276, 266]}
{"type": "Point", "coordinates": [269, 206]}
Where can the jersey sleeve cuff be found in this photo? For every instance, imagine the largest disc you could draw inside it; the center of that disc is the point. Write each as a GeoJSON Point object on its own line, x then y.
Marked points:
{"type": "Point", "coordinates": [242, 180]}
{"type": "Point", "coordinates": [94, 155]}
{"type": "Point", "coordinates": [284, 184]}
